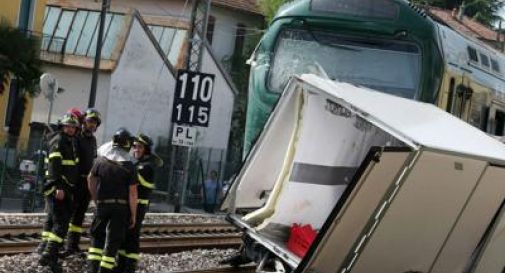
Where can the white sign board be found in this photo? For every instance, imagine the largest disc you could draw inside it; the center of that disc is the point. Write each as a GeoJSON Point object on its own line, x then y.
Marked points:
{"type": "Point", "coordinates": [183, 135]}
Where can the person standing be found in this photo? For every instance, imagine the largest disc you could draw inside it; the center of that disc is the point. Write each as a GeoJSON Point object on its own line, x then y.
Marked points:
{"type": "Point", "coordinates": [211, 192]}
{"type": "Point", "coordinates": [86, 143]}
{"type": "Point", "coordinates": [61, 176]}
{"type": "Point", "coordinates": [147, 160]}
{"type": "Point", "coordinates": [113, 187]}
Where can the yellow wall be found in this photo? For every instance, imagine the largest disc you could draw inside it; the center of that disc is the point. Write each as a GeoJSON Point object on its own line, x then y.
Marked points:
{"type": "Point", "coordinates": [9, 11]}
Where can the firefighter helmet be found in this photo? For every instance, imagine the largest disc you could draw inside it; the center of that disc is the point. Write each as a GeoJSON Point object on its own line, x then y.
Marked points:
{"type": "Point", "coordinates": [92, 113]}
{"type": "Point", "coordinates": [146, 141]}
{"type": "Point", "coordinates": [74, 111]}
{"type": "Point", "coordinates": [122, 138]}
{"type": "Point", "coordinates": [69, 120]}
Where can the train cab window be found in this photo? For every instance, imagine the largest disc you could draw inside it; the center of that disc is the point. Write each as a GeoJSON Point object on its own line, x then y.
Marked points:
{"type": "Point", "coordinates": [484, 60]}
{"type": "Point", "coordinates": [381, 9]}
{"type": "Point", "coordinates": [472, 54]}
{"type": "Point", "coordinates": [495, 66]}
{"type": "Point", "coordinates": [499, 123]}
{"type": "Point", "coordinates": [388, 66]}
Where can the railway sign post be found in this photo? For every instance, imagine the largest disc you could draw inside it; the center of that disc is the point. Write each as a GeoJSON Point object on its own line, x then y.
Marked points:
{"type": "Point", "coordinates": [191, 109]}
{"type": "Point", "coordinates": [192, 100]}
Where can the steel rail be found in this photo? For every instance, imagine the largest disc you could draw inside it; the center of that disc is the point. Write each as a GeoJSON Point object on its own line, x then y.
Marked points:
{"type": "Point", "coordinates": [158, 243]}
{"type": "Point", "coordinates": [33, 230]}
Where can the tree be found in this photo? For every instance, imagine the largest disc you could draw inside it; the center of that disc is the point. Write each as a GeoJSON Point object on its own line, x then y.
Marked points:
{"type": "Point", "coordinates": [270, 7]}
{"type": "Point", "coordinates": [483, 11]}
{"type": "Point", "coordinates": [19, 57]}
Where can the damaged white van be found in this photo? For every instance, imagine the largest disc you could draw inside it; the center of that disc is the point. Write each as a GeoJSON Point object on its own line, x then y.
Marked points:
{"type": "Point", "coordinates": [390, 185]}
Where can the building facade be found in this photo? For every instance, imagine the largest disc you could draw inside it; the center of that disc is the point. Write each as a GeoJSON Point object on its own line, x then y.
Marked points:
{"type": "Point", "coordinates": [26, 15]}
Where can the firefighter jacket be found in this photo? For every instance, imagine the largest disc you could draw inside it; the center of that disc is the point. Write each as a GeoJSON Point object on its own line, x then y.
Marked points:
{"type": "Point", "coordinates": [62, 164]}
{"type": "Point", "coordinates": [86, 143]}
{"type": "Point", "coordinates": [145, 177]}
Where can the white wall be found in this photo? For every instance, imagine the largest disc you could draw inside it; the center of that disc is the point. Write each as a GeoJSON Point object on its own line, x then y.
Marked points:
{"type": "Point", "coordinates": [141, 88]}
{"type": "Point", "coordinates": [223, 42]}
{"type": "Point", "coordinates": [77, 83]}
{"type": "Point", "coordinates": [141, 94]}
{"type": "Point", "coordinates": [216, 135]}
{"type": "Point", "coordinates": [225, 26]}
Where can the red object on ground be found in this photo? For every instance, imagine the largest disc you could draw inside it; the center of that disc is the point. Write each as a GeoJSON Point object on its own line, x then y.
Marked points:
{"type": "Point", "coordinates": [300, 239]}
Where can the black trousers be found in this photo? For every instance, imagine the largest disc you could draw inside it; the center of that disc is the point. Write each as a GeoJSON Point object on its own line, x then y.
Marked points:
{"type": "Point", "coordinates": [81, 203]}
{"type": "Point", "coordinates": [132, 245]}
{"type": "Point", "coordinates": [56, 224]}
{"type": "Point", "coordinates": [107, 234]}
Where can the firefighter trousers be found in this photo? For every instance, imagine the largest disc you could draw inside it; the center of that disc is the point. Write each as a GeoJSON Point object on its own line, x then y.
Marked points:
{"type": "Point", "coordinates": [81, 203]}
{"type": "Point", "coordinates": [129, 252]}
{"type": "Point", "coordinates": [56, 225]}
{"type": "Point", "coordinates": [107, 234]}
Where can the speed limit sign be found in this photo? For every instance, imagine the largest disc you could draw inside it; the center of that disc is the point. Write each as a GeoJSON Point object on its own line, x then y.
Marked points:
{"type": "Point", "coordinates": [192, 101]}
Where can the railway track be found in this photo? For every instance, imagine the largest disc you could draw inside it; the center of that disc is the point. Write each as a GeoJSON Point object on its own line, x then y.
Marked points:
{"type": "Point", "coordinates": [241, 269]}
{"type": "Point", "coordinates": [155, 238]}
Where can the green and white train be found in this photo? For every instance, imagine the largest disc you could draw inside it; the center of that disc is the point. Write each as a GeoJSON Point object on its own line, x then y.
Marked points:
{"type": "Point", "coordinates": [387, 45]}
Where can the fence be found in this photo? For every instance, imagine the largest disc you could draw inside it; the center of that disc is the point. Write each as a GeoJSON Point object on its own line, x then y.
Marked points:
{"type": "Point", "coordinates": [19, 185]}
{"type": "Point", "coordinates": [22, 163]}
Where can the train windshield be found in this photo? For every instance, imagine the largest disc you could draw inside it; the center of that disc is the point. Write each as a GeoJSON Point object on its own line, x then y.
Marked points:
{"type": "Point", "coordinates": [388, 66]}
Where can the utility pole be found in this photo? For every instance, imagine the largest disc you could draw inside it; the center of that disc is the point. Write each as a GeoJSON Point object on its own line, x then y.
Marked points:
{"type": "Point", "coordinates": [197, 34]}
{"type": "Point", "coordinates": [98, 54]}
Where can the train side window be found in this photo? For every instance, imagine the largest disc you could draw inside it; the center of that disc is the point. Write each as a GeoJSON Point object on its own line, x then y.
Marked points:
{"type": "Point", "coordinates": [450, 99]}
{"type": "Point", "coordinates": [472, 54]}
{"type": "Point", "coordinates": [484, 60]}
{"type": "Point", "coordinates": [499, 121]}
{"type": "Point", "coordinates": [495, 66]}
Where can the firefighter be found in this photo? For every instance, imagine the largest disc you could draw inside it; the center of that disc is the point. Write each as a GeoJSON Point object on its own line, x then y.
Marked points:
{"type": "Point", "coordinates": [86, 143]}
{"type": "Point", "coordinates": [143, 152]}
{"type": "Point", "coordinates": [61, 176]}
{"type": "Point", "coordinates": [113, 187]}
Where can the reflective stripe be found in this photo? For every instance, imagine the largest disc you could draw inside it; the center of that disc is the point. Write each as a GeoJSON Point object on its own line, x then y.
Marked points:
{"type": "Point", "coordinates": [55, 154]}
{"type": "Point", "coordinates": [46, 160]}
{"type": "Point", "coordinates": [108, 259]}
{"type": "Point", "coordinates": [68, 162]}
{"type": "Point", "coordinates": [77, 160]}
{"type": "Point", "coordinates": [49, 191]}
{"type": "Point", "coordinates": [133, 256]}
{"type": "Point", "coordinates": [45, 235]}
{"type": "Point", "coordinates": [143, 201]}
{"type": "Point", "coordinates": [74, 228]}
{"type": "Point", "coordinates": [144, 182]}
{"type": "Point", "coordinates": [47, 173]}
{"type": "Point", "coordinates": [55, 238]}
{"type": "Point", "coordinates": [95, 250]}
{"type": "Point", "coordinates": [93, 257]}
{"type": "Point", "coordinates": [106, 265]}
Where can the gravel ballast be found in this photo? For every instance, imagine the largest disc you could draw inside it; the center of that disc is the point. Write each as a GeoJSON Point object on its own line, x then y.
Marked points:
{"type": "Point", "coordinates": [197, 259]}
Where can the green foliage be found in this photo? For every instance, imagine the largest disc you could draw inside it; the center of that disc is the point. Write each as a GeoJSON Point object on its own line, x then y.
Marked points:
{"type": "Point", "coordinates": [270, 7]}
{"type": "Point", "coordinates": [19, 56]}
{"type": "Point", "coordinates": [239, 71]}
{"type": "Point", "coordinates": [483, 11]}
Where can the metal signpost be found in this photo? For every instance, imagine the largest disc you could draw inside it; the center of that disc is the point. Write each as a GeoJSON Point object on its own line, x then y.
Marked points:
{"type": "Point", "coordinates": [191, 109]}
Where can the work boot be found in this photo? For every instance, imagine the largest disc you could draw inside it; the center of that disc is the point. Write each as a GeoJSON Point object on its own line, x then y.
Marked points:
{"type": "Point", "coordinates": [72, 245]}
{"type": "Point", "coordinates": [50, 257]}
{"type": "Point", "coordinates": [41, 247]}
{"type": "Point", "coordinates": [55, 267]}
{"type": "Point", "coordinates": [92, 266]}
{"type": "Point", "coordinates": [130, 266]}
{"type": "Point", "coordinates": [121, 264]}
